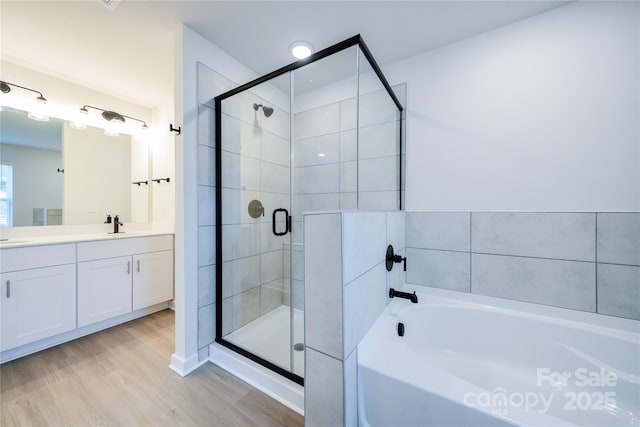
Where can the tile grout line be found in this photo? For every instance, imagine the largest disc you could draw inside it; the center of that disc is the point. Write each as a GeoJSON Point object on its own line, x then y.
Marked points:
{"type": "Point", "coordinates": [470, 253]}
{"type": "Point", "coordinates": [596, 250]}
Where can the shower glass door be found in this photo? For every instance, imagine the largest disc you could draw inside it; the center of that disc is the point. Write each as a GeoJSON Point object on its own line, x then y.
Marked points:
{"type": "Point", "coordinates": [317, 135]}
{"type": "Point", "coordinates": [255, 224]}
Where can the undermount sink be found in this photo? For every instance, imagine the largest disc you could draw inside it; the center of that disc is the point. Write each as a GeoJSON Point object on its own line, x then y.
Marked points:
{"type": "Point", "coordinates": [121, 234]}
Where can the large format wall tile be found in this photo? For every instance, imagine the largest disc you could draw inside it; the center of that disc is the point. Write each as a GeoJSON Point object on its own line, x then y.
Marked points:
{"type": "Point", "coordinates": [318, 121]}
{"type": "Point", "coordinates": [568, 284]}
{"type": "Point", "coordinates": [318, 179]}
{"type": "Point", "coordinates": [278, 123]}
{"type": "Point", "coordinates": [440, 269]}
{"type": "Point", "coordinates": [324, 381]}
{"type": "Point", "coordinates": [206, 245]}
{"type": "Point", "coordinates": [350, 366]}
{"type": "Point", "coordinates": [378, 200]}
{"type": "Point", "coordinates": [206, 205]}
{"type": "Point", "coordinates": [348, 177]}
{"type": "Point", "coordinates": [239, 172]}
{"type": "Point", "coordinates": [270, 266]}
{"type": "Point", "coordinates": [206, 120]}
{"type": "Point", "coordinates": [239, 241]}
{"type": "Point", "coordinates": [206, 165]}
{"type": "Point", "coordinates": [240, 137]}
{"type": "Point", "coordinates": [206, 285]}
{"type": "Point", "coordinates": [275, 149]}
{"type": "Point", "coordinates": [379, 140]}
{"type": "Point", "coordinates": [619, 290]}
{"type": "Point", "coordinates": [235, 203]}
{"type": "Point", "coordinates": [349, 145]}
{"type": "Point", "coordinates": [377, 107]}
{"type": "Point", "coordinates": [270, 296]}
{"type": "Point", "coordinates": [364, 300]}
{"type": "Point", "coordinates": [364, 242]}
{"type": "Point", "coordinates": [318, 150]}
{"type": "Point", "coordinates": [569, 236]}
{"type": "Point", "coordinates": [439, 230]}
{"type": "Point", "coordinates": [240, 275]}
{"type": "Point", "coordinates": [619, 238]}
{"type": "Point", "coordinates": [396, 226]}
{"type": "Point", "coordinates": [381, 174]}
{"type": "Point", "coordinates": [323, 285]}
{"type": "Point", "coordinates": [240, 309]}
{"type": "Point", "coordinates": [315, 203]}
{"type": "Point", "coordinates": [206, 325]}
{"type": "Point", "coordinates": [275, 178]}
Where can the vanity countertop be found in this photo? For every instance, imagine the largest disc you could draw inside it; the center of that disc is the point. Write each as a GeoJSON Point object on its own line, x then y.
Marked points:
{"type": "Point", "coordinates": [20, 242]}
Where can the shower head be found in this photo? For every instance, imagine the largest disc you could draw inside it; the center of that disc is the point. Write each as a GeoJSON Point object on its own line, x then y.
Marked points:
{"type": "Point", "coordinates": [268, 111]}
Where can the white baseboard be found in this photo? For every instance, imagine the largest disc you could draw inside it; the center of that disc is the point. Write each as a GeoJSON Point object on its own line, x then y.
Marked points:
{"type": "Point", "coordinates": [184, 366]}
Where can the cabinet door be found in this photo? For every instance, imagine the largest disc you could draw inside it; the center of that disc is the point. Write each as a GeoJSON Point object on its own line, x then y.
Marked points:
{"type": "Point", "coordinates": [37, 304]}
{"type": "Point", "coordinates": [153, 278]}
{"type": "Point", "coordinates": [104, 289]}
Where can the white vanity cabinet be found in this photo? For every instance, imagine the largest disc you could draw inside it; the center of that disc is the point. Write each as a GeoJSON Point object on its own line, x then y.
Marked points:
{"type": "Point", "coordinates": [123, 275]}
{"type": "Point", "coordinates": [38, 297]}
{"type": "Point", "coordinates": [152, 278]}
{"type": "Point", "coordinates": [104, 289]}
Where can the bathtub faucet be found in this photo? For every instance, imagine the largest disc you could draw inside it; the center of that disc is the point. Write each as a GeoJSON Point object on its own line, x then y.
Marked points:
{"type": "Point", "coordinates": [406, 295]}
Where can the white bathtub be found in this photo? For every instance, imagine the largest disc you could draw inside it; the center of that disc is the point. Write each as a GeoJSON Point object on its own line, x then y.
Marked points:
{"type": "Point", "coordinates": [469, 360]}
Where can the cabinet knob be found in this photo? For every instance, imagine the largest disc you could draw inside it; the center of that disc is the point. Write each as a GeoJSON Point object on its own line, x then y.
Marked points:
{"type": "Point", "coordinates": [8, 288]}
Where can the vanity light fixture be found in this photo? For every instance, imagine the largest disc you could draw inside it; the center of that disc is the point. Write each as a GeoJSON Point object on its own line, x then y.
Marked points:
{"type": "Point", "coordinates": [115, 119]}
{"type": "Point", "coordinates": [301, 50]}
{"type": "Point", "coordinates": [38, 111]}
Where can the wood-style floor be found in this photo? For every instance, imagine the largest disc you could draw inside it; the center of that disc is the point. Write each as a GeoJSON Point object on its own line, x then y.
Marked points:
{"type": "Point", "coordinates": [120, 377]}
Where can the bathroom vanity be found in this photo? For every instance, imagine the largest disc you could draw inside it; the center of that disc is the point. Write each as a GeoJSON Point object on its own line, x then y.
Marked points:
{"type": "Point", "coordinates": [55, 289]}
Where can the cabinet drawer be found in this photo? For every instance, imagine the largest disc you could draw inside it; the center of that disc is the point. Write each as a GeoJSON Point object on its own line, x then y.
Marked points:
{"type": "Point", "coordinates": [15, 259]}
{"type": "Point", "coordinates": [121, 246]}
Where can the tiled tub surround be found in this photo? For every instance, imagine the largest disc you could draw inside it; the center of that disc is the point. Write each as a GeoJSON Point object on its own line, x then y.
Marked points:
{"type": "Point", "coordinates": [582, 261]}
{"type": "Point", "coordinates": [346, 287]}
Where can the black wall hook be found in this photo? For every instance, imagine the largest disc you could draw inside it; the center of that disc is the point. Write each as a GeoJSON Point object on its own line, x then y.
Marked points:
{"type": "Point", "coordinates": [141, 182]}
{"type": "Point", "coordinates": [177, 130]}
{"type": "Point", "coordinates": [158, 180]}
{"type": "Point", "coordinates": [60, 170]}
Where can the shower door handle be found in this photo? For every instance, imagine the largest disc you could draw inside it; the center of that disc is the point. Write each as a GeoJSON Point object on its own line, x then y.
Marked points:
{"type": "Point", "coordinates": [287, 225]}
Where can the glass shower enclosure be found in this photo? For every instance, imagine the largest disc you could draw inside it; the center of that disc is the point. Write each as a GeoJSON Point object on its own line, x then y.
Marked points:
{"type": "Point", "coordinates": [323, 133]}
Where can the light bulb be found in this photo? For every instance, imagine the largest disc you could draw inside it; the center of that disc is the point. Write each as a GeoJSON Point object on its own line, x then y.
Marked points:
{"type": "Point", "coordinates": [300, 50]}
{"type": "Point", "coordinates": [113, 128]}
{"type": "Point", "coordinates": [39, 110]}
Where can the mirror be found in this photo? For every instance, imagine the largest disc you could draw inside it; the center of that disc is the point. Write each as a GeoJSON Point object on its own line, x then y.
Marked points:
{"type": "Point", "coordinates": [53, 174]}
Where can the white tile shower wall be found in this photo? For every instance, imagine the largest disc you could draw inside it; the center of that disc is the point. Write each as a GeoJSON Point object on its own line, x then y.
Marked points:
{"type": "Point", "coordinates": [255, 155]}
{"type": "Point", "coordinates": [326, 151]}
{"type": "Point", "coordinates": [583, 261]}
{"type": "Point", "coordinates": [346, 288]}
{"type": "Point", "coordinates": [206, 230]}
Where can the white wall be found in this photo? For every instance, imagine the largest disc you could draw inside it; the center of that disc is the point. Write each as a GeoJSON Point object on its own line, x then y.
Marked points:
{"type": "Point", "coordinates": [36, 181]}
{"type": "Point", "coordinates": [539, 115]}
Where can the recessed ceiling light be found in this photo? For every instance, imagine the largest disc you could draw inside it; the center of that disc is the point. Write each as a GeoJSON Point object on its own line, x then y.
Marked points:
{"type": "Point", "coordinates": [301, 49]}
